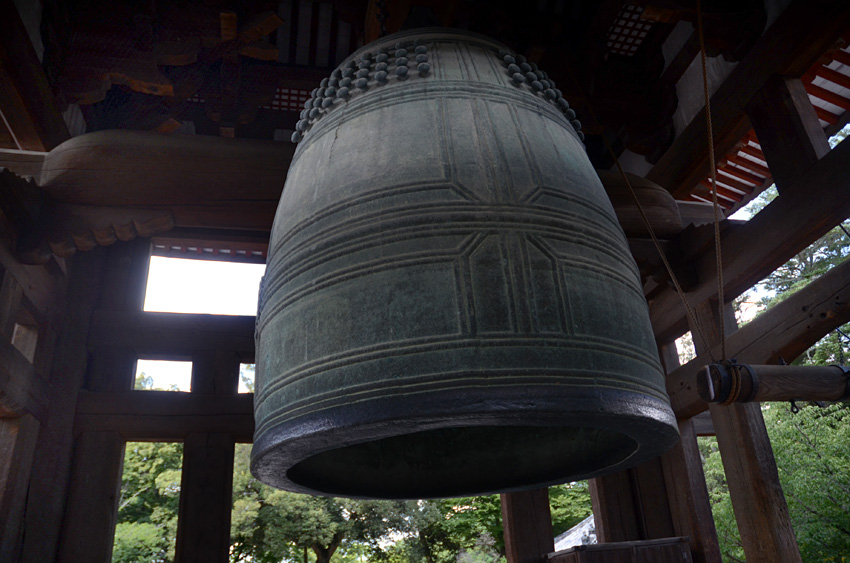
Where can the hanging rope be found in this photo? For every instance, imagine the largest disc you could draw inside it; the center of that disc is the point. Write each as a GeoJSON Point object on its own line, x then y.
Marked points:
{"type": "Point", "coordinates": [719, 258]}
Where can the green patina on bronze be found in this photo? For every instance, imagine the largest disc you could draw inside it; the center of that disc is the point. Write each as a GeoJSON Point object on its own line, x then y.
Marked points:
{"type": "Point", "coordinates": [450, 306]}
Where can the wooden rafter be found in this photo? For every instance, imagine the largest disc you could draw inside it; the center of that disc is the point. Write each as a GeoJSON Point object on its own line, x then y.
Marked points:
{"type": "Point", "coordinates": [789, 47]}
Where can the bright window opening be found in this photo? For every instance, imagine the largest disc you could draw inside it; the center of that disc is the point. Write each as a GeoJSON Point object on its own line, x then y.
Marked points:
{"type": "Point", "coordinates": [163, 375]}
{"type": "Point", "coordinates": [149, 502]}
{"type": "Point", "coordinates": [177, 285]}
{"type": "Point", "coordinates": [246, 378]}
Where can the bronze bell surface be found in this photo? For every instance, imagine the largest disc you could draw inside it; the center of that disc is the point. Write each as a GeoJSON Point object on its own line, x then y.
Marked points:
{"type": "Point", "coordinates": [450, 306]}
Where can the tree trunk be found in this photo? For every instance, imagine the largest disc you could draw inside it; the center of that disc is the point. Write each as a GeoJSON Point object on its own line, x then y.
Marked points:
{"type": "Point", "coordinates": [324, 554]}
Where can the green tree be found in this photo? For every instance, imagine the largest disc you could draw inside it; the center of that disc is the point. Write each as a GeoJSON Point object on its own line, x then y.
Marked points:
{"type": "Point", "coordinates": [270, 525]}
{"type": "Point", "coordinates": [150, 497]}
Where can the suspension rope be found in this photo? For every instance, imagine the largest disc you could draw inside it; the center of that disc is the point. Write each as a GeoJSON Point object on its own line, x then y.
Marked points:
{"type": "Point", "coordinates": [712, 164]}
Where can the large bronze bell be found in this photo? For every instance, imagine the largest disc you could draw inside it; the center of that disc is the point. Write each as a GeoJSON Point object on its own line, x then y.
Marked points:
{"type": "Point", "coordinates": [450, 306]}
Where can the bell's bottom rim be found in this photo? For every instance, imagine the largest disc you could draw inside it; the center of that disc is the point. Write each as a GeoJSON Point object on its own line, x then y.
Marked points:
{"type": "Point", "coordinates": [627, 417]}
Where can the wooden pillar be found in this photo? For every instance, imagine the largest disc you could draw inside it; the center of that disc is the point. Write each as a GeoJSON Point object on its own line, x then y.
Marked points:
{"type": "Point", "coordinates": [787, 128]}
{"type": "Point", "coordinates": [17, 448]}
{"type": "Point", "coordinates": [690, 506]}
{"type": "Point", "coordinates": [751, 475]}
{"type": "Point", "coordinates": [51, 468]}
{"type": "Point", "coordinates": [663, 497]}
{"type": "Point", "coordinates": [91, 514]}
{"type": "Point", "coordinates": [527, 524]}
{"type": "Point", "coordinates": [206, 490]}
{"type": "Point", "coordinates": [632, 505]}
{"type": "Point", "coordinates": [206, 497]}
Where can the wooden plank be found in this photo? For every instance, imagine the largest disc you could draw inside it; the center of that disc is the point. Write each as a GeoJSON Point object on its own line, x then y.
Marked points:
{"type": "Point", "coordinates": [27, 104]}
{"type": "Point", "coordinates": [789, 132]}
{"type": "Point", "coordinates": [22, 388]}
{"type": "Point", "coordinates": [206, 498]}
{"type": "Point", "coordinates": [687, 493]}
{"type": "Point", "coordinates": [215, 372]}
{"type": "Point", "coordinates": [614, 511]}
{"type": "Point", "coordinates": [751, 474]}
{"type": "Point", "coordinates": [789, 47]}
{"type": "Point", "coordinates": [17, 448]}
{"type": "Point", "coordinates": [92, 511]}
{"type": "Point", "coordinates": [165, 416]}
{"type": "Point", "coordinates": [527, 524]}
{"type": "Point", "coordinates": [52, 463]}
{"type": "Point", "coordinates": [807, 211]}
{"type": "Point", "coordinates": [173, 333]}
{"type": "Point", "coordinates": [785, 331]}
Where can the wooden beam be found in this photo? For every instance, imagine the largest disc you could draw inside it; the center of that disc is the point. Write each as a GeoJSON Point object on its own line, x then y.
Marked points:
{"type": "Point", "coordinates": [92, 511]}
{"type": "Point", "coordinates": [206, 499]}
{"type": "Point", "coordinates": [784, 331]}
{"type": "Point", "coordinates": [527, 524]}
{"type": "Point", "coordinates": [789, 132]}
{"type": "Point", "coordinates": [789, 47]}
{"type": "Point", "coordinates": [687, 493]}
{"type": "Point", "coordinates": [27, 105]}
{"type": "Point", "coordinates": [632, 504]}
{"type": "Point", "coordinates": [165, 416]}
{"type": "Point", "coordinates": [22, 388]}
{"type": "Point", "coordinates": [17, 448]}
{"type": "Point", "coordinates": [806, 212]}
{"type": "Point", "coordinates": [751, 474]}
{"type": "Point", "coordinates": [174, 334]}
{"type": "Point", "coordinates": [764, 383]}
{"type": "Point", "coordinates": [51, 467]}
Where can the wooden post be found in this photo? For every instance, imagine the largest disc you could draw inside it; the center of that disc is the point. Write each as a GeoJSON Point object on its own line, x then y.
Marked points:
{"type": "Point", "coordinates": [751, 474]}
{"type": "Point", "coordinates": [632, 504]}
{"type": "Point", "coordinates": [788, 130]}
{"type": "Point", "coordinates": [206, 490]}
{"type": "Point", "coordinates": [17, 449]}
{"type": "Point", "coordinates": [51, 468]}
{"type": "Point", "coordinates": [91, 513]}
{"type": "Point", "coordinates": [206, 497]}
{"type": "Point", "coordinates": [89, 527]}
{"type": "Point", "coordinates": [661, 498]}
{"type": "Point", "coordinates": [527, 524]}
{"type": "Point", "coordinates": [687, 492]}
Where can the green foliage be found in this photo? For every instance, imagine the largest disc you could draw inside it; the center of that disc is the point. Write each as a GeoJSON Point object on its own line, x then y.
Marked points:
{"type": "Point", "coordinates": [150, 497]}
{"type": "Point", "coordinates": [570, 504]}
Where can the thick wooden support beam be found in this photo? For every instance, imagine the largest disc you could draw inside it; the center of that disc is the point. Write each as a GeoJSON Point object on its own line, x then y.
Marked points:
{"type": "Point", "coordinates": [527, 523]}
{"type": "Point", "coordinates": [174, 334]}
{"type": "Point", "coordinates": [785, 331]}
{"type": "Point", "coordinates": [206, 498]}
{"type": "Point", "coordinates": [788, 129]}
{"type": "Point", "coordinates": [165, 416]}
{"type": "Point", "coordinates": [51, 471]}
{"type": "Point", "coordinates": [661, 498]}
{"type": "Point", "coordinates": [688, 496]}
{"type": "Point", "coordinates": [751, 475]}
{"type": "Point", "coordinates": [27, 105]}
{"type": "Point", "coordinates": [17, 448]}
{"type": "Point", "coordinates": [89, 526]}
{"type": "Point", "coordinates": [800, 35]}
{"type": "Point", "coordinates": [22, 388]}
{"type": "Point", "coordinates": [687, 493]}
{"type": "Point", "coordinates": [805, 212]}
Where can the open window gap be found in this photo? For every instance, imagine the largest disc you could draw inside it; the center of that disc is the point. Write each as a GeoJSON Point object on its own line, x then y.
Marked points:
{"type": "Point", "coordinates": [177, 285]}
